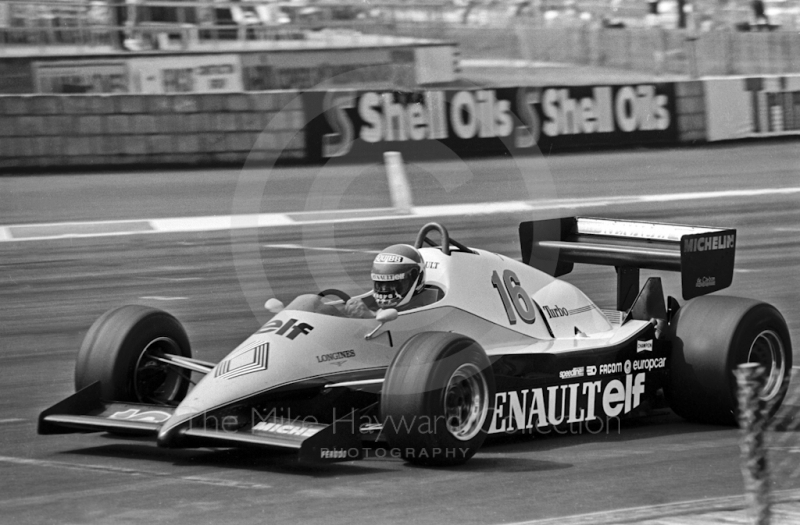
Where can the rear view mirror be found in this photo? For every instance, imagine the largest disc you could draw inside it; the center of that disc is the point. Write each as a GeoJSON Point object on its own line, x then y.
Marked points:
{"type": "Point", "coordinates": [273, 305]}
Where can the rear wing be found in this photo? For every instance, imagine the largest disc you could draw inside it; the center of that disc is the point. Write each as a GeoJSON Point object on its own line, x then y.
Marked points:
{"type": "Point", "coordinates": [703, 256]}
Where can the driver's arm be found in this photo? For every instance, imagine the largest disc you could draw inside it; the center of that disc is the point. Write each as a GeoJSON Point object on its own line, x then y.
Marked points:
{"type": "Point", "coordinates": [355, 308]}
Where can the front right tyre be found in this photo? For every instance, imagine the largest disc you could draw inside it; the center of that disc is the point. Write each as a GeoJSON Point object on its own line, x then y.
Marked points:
{"type": "Point", "coordinates": [121, 350]}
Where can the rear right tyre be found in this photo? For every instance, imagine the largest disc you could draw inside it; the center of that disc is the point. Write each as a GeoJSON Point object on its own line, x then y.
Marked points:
{"type": "Point", "coordinates": [711, 336]}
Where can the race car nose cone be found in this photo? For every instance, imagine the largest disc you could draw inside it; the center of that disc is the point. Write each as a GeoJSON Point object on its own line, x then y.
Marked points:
{"type": "Point", "coordinates": [172, 433]}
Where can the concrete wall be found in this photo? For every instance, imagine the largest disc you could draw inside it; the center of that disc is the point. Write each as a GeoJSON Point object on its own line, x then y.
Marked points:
{"type": "Point", "coordinates": [87, 130]}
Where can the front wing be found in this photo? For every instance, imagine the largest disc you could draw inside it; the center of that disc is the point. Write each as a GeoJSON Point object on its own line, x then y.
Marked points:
{"type": "Point", "coordinates": [84, 411]}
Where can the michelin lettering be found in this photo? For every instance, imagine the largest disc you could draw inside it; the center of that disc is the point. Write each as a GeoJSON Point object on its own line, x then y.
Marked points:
{"type": "Point", "coordinates": [704, 244]}
{"type": "Point", "coordinates": [287, 430]}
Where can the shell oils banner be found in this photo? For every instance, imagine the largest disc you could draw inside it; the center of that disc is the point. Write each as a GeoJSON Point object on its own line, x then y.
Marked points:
{"type": "Point", "coordinates": [362, 124]}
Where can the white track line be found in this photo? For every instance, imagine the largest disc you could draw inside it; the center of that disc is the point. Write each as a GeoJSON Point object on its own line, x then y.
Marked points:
{"type": "Point", "coordinates": [134, 472]}
{"type": "Point", "coordinates": [316, 248]}
{"type": "Point", "coordinates": [12, 420]}
{"type": "Point", "coordinates": [30, 232]}
{"type": "Point", "coordinates": [685, 509]}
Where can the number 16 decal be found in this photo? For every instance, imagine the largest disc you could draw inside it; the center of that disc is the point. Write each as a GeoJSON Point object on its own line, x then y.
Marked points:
{"type": "Point", "coordinates": [514, 297]}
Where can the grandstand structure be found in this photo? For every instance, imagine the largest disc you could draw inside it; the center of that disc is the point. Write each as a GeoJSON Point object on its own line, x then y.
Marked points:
{"type": "Point", "coordinates": [719, 38]}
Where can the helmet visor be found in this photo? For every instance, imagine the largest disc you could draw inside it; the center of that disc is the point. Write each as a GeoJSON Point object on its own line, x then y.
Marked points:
{"type": "Point", "coordinates": [389, 290]}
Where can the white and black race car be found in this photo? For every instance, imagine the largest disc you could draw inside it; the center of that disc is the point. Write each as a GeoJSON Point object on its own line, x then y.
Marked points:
{"type": "Point", "coordinates": [499, 346]}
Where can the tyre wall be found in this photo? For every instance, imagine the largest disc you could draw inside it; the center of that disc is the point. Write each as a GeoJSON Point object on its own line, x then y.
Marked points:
{"type": "Point", "coordinates": [40, 131]}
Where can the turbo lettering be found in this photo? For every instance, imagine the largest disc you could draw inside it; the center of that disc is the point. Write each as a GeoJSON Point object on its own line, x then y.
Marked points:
{"type": "Point", "coordinates": [388, 258]}
{"type": "Point", "coordinates": [571, 403]}
{"type": "Point", "coordinates": [555, 311]}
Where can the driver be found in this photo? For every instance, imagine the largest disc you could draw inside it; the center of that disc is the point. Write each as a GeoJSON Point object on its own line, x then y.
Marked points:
{"type": "Point", "coordinates": [398, 275]}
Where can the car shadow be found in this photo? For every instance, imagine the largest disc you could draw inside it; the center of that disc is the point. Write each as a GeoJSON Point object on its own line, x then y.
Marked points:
{"type": "Point", "coordinates": [251, 459]}
{"type": "Point", "coordinates": [661, 423]}
{"type": "Point", "coordinates": [498, 453]}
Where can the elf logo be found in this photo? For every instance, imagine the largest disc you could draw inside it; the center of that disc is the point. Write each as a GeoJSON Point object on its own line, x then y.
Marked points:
{"type": "Point", "coordinates": [290, 328]}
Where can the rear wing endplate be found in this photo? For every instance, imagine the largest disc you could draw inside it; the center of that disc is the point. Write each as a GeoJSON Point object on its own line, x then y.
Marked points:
{"type": "Point", "coordinates": [704, 256]}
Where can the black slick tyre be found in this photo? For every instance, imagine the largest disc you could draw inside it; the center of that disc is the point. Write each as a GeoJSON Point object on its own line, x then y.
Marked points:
{"type": "Point", "coordinates": [119, 350]}
{"type": "Point", "coordinates": [711, 336]}
{"type": "Point", "coordinates": [437, 398]}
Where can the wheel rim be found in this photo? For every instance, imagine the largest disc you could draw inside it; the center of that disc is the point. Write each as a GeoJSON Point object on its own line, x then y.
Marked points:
{"type": "Point", "coordinates": [768, 351]}
{"type": "Point", "coordinates": [155, 381]}
{"type": "Point", "coordinates": [466, 402]}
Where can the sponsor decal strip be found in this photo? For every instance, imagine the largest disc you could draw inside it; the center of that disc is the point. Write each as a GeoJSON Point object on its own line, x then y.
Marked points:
{"type": "Point", "coordinates": [38, 232]}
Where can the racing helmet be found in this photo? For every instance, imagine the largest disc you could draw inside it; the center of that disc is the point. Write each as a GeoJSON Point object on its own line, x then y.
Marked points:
{"type": "Point", "coordinates": [398, 272]}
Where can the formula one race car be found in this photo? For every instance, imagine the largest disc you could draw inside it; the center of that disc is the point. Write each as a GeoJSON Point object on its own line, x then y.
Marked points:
{"type": "Point", "coordinates": [501, 346]}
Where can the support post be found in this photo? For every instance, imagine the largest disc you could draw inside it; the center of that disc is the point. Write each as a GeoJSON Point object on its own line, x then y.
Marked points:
{"type": "Point", "coordinates": [752, 423]}
{"type": "Point", "coordinates": [627, 287]}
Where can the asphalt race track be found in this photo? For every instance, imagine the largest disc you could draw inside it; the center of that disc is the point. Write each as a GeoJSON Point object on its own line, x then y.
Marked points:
{"type": "Point", "coordinates": [215, 282]}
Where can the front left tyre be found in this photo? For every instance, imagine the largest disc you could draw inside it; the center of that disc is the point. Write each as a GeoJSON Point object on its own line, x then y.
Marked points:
{"type": "Point", "coordinates": [122, 351]}
{"type": "Point", "coordinates": [437, 399]}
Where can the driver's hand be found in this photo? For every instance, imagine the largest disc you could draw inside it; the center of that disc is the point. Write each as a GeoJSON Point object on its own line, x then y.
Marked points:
{"type": "Point", "coordinates": [355, 307]}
